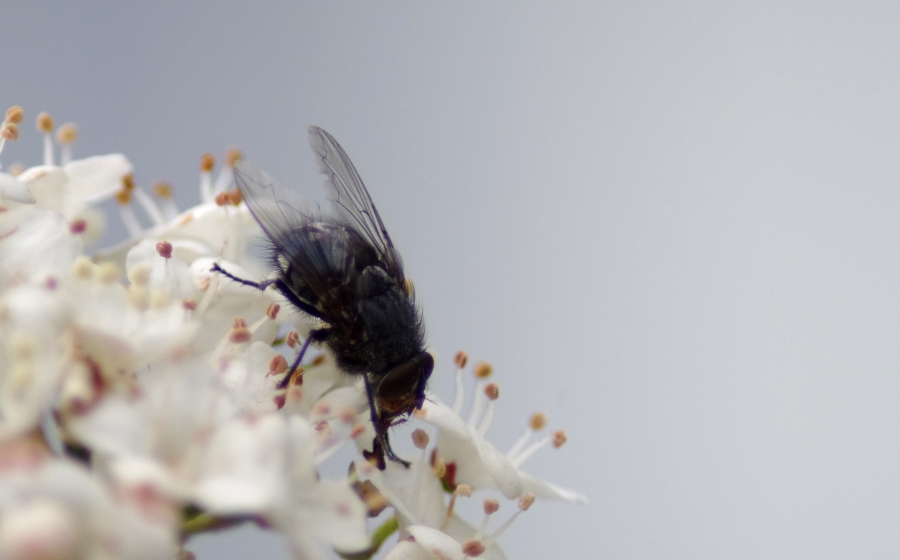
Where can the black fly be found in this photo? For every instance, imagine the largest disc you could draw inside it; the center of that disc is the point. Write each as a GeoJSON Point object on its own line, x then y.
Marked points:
{"type": "Point", "coordinates": [341, 268]}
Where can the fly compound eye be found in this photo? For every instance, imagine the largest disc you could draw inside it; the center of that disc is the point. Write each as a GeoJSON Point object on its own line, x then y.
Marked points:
{"type": "Point", "coordinates": [404, 386]}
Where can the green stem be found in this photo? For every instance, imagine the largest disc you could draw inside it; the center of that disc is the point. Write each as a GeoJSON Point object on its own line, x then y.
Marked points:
{"type": "Point", "coordinates": [381, 534]}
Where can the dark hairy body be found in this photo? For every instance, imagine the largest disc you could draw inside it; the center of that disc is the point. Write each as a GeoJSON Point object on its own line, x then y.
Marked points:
{"type": "Point", "coordinates": [341, 268]}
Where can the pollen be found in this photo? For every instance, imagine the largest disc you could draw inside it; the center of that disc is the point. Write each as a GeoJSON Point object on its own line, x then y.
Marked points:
{"type": "Point", "coordinates": [232, 156]}
{"type": "Point", "coordinates": [45, 122]}
{"type": "Point", "coordinates": [559, 438]}
{"type": "Point", "coordinates": [10, 131]}
{"type": "Point", "coordinates": [538, 421]}
{"type": "Point", "coordinates": [164, 248]}
{"type": "Point", "coordinates": [163, 190]}
{"type": "Point", "coordinates": [15, 114]}
{"type": "Point", "coordinates": [492, 390]}
{"type": "Point", "coordinates": [67, 133]}
{"type": "Point", "coordinates": [461, 359]}
{"type": "Point", "coordinates": [207, 162]}
{"type": "Point", "coordinates": [483, 370]}
{"type": "Point", "coordinates": [420, 438]}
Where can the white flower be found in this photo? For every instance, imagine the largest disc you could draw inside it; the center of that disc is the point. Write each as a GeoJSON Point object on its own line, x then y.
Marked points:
{"type": "Point", "coordinates": [472, 460]}
{"type": "Point", "coordinates": [55, 509]}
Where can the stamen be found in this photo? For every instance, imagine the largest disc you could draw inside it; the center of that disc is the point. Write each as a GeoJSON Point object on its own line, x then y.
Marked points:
{"type": "Point", "coordinates": [420, 438]}
{"type": "Point", "coordinates": [189, 304]}
{"type": "Point", "coordinates": [139, 274]}
{"type": "Point", "coordinates": [272, 311]}
{"type": "Point", "coordinates": [163, 192]}
{"type": "Point", "coordinates": [149, 206]}
{"type": "Point", "coordinates": [477, 404]}
{"type": "Point", "coordinates": [292, 339]}
{"type": "Point", "coordinates": [524, 503]}
{"type": "Point", "coordinates": [493, 393]}
{"type": "Point", "coordinates": [65, 137]}
{"type": "Point", "coordinates": [461, 359]}
{"type": "Point", "coordinates": [537, 422]}
{"type": "Point", "coordinates": [10, 132]}
{"type": "Point", "coordinates": [460, 388]}
{"type": "Point", "coordinates": [45, 125]}
{"type": "Point", "coordinates": [207, 162]}
{"type": "Point", "coordinates": [483, 370]}
{"type": "Point", "coordinates": [164, 248]}
{"type": "Point", "coordinates": [223, 181]}
{"type": "Point", "coordinates": [108, 273]}
{"type": "Point", "coordinates": [123, 197]}
{"type": "Point", "coordinates": [517, 460]}
{"type": "Point", "coordinates": [559, 439]}
{"type": "Point", "coordinates": [83, 268]}
{"type": "Point", "coordinates": [277, 365]}
{"type": "Point", "coordinates": [461, 490]}
{"type": "Point", "coordinates": [473, 548]}
{"type": "Point", "coordinates": [77, 227]}
{"type": "Point", "coordinates": [15, 114]}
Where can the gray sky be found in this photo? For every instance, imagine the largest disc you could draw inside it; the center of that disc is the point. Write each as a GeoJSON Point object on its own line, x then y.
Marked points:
{"type": "Point", "coordinates": [671, 226]}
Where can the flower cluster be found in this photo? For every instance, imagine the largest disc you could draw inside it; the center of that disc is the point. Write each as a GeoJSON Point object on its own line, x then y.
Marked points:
{"type": "Point", "coordinates": [141, 399]}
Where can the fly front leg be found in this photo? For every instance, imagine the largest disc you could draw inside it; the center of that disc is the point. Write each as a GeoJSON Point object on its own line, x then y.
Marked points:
{"type": "Point", "coordinates": [261, 286]}
{"type": "Point", "coordinates": [316, 335]}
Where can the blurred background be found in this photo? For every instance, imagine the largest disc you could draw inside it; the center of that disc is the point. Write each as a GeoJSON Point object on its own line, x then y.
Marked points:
{"type": "Point", "coordinates": [671, 226]}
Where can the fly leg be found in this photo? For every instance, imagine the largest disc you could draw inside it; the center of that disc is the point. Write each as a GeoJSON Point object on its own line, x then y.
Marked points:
{"type": "Point", "coordinates": [316, 335]}
{"type": "Point", "coordinates": [261, 286]}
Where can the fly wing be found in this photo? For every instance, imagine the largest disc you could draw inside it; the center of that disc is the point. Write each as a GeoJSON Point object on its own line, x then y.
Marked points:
{"type": "Point", "coordinates": [278, 209]}
{"type": "Point", "coordinates": [350, 201]}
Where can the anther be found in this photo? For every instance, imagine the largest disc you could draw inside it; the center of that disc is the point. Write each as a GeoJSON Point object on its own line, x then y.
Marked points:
{"type": "Point", "coordinates": [139, 274]}
{"type": "Point", "coordinates": [318, 360]}
{"type": "Point", "coordinates": [207, 162]}
{"type": "Point", "coordinates": [45, 123]}
{"type": "Point", "coordinates": [559, 438]}
{"type": "Point", "coordinates": [234, 197]}
{"type": "Point", "coordinates": [463, 490]}
{"type": "Point", "coordinates": [232, 156]}
{"type": "Point", "coordinates": [492, 390]}
{"type": "Point", "coordinates": [10, 132]}
{"type": "Point", "coordinates": [292, 339]}
{"type": "Point", "coordinates": [164, 248]}
{"type": "Point", "coordinates": [221, 199]}
{"type": "Point", "coordinates": [483, 370]}
{"type": "Point", "coordinates": [525, 501]}
{"type": "Point", "coordinates": [277, 365]}
{"type": "Point", "coordinates": [189, 304]}
{"type": "Point", "coordinates": [538, 421]}
{"type": "Point", "coordinates": [15, 114]}
{"type": "Point", "coordinates": [162, 190]}
{"type": "Point", "coordinates": [67, 134]}
{"type": "Point", "coordinates": [83, 268]}
{"type": "Point", "coordinates": [239, 323]}
{"type": "Point", "coordinates": [473, 548]}
{"type": "Point", "coordinates": [239, 335]}
{"type": "Point", "coordinates": [123, 196]}
{"type": "Point", "coordinates": [272, 311]}
{"type": "Point", "coordinates": [490, 506]}
{"type": "Point", "coordinates": [439, 468]}
{"type": "Point", "coordinates": [420, 438]}
{"type": "Point", "coordinates": [78, 226]}
{"type": "Point", "coordinates": [108, 273]}
{"type": "Point", "coordinates": [461, 359]}
{"type": "Point", "coordinates": [128, 182]}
